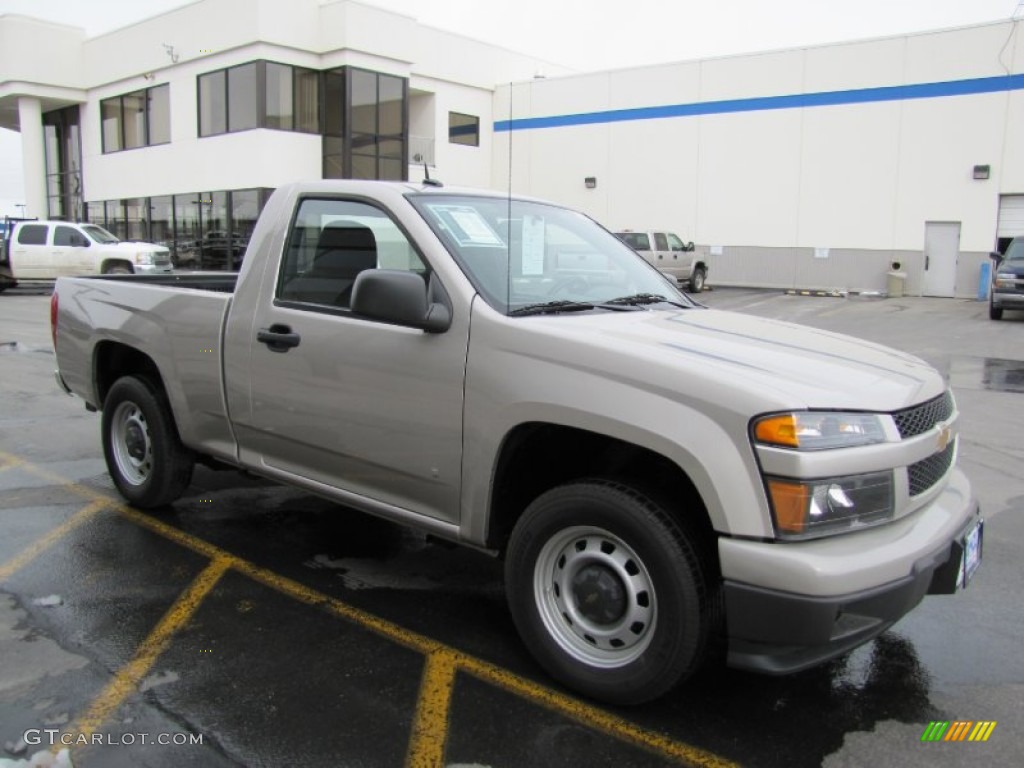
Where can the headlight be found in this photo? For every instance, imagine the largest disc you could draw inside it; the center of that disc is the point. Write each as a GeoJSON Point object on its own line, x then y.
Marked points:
{"type": "Point", "coordinates": [819, 430]}
{"type": "Point", "coordinates": [1005, 280]}
{"type": "Point", "coordinates": [145, 257]}
{"type": "Point", "coordinates": [804, 509]}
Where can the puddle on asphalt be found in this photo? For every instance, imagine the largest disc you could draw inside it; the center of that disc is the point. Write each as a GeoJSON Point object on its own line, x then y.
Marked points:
{"type": "Point", "coordinates": [18, 347]}
{"type": "Point", "coordinates": [991, 373]}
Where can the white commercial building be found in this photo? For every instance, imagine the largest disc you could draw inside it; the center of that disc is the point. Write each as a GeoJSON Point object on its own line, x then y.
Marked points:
{"type": "Point", "coordinates": [810, 168]}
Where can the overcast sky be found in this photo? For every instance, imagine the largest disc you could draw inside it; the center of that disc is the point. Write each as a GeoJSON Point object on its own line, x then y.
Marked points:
{"type": "Point", "coordinates": [587, 34]}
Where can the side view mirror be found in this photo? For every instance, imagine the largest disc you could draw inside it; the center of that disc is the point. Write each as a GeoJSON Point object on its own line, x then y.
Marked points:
{"type": "Point", "coordinates": [996, 256]}
{"type": "Point", "coordinates": [398, 297]}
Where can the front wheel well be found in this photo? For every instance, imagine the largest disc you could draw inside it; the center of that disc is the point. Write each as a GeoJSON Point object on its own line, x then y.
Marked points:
{"type": "Point", "coordinates": [537, 457]}
{"type": "Point", "coordinates": [122, 266]}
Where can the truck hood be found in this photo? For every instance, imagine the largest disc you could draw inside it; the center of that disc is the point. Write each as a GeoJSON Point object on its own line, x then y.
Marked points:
{"type": "Point", "coordinates": [794, 365]}
{"type": "Point", "coordinates": [133, 247]}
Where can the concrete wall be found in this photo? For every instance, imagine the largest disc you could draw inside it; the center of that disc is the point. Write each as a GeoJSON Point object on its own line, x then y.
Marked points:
{"type": "Point", "coordinates": [773, 157]}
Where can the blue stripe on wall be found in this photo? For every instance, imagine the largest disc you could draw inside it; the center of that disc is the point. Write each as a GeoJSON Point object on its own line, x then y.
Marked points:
{"type": "Point", "coordinates": [764, 103]}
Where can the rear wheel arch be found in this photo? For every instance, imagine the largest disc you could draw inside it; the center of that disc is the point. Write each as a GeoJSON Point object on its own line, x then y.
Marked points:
{"type": "Point", "coordinates": [112, 360]}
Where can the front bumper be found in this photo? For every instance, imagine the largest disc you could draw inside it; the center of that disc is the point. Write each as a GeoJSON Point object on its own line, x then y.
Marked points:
{"type": "Point", "coordinates": [1007, 300]}
{"type": "Point", "coordinates": [153, 269]}
{"type": "Point", "coordinates": [791, 606]}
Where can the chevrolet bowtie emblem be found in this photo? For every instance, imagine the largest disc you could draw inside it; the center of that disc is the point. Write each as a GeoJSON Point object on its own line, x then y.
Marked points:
{"type": "Point", "coordinates": [945, 438]}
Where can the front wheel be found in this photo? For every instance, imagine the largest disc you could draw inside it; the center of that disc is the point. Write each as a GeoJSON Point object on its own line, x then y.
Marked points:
{"type": "Point", "coordinates": [144, 454]}
{"type": "Point", "coordinates": [994, 312]}
{"type": "Point", "coordinates": [608, 592]}
{"type": "Point", "coordinates": [697, 280]}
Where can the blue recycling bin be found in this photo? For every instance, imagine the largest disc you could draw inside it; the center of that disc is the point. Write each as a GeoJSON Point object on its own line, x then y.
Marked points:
{"type": "Point", "coordinates": [985, 281]}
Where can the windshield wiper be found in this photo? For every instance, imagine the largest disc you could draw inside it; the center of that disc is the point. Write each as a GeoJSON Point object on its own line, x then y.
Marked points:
{"type": "Point", "coordinates": [643, 298]}
{"type": "Point", "coordinates": [551, 307]}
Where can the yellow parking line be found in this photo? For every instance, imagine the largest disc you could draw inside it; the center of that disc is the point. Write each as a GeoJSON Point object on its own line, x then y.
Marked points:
{"type": "Point", "coordinates": [430, 723]}
{"type": "Point", "coordinates": [127, 679]}
{"type": "Point", "coordinates": [7, 461]}
{"type": "Point", "coordinates": [47, 540]}
{"type": "Point", "coordinates": [439, 674]}
{"type": "Point", "coordinates": [591, 716]}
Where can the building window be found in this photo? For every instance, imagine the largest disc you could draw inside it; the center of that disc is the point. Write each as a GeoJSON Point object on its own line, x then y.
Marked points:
{"type": "Point", "coordinates": [243, 111]}
{"type": "Point", "coordinates": [213, 104]}
{"type": "Point", "coordinates": [63, 147]}
{"type": "Point", "coordinates": [365, 126]}
{"type": "Point", "coordinates": [260, 94]}
{"type": "Point", "coordinates": [136, 119]}
{"type": "Point", "coordinates": [463, 129]}
{"type": "Point", "coordinates": [204, 231]}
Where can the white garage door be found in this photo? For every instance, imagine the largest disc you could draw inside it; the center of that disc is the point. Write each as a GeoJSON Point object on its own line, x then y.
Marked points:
{"type": "Point", "coordinates": [1011, 216]}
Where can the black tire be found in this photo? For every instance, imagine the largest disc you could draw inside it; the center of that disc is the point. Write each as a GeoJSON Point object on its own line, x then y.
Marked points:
{"type": "Point", "coordinates": [994, 312]}
{"type": "Point", "coordinates": [145, 457]}
{"type": "Point", "coordinates": [638, 617]}
{"type": "Point", "coordinates": [697, 280]}
{"type": "Point", "coordinates": [118, 268]}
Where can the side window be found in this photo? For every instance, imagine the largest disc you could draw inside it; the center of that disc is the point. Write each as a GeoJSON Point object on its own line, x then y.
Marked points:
{"type": "Point", "coordinates": [636, 240]}
{"type": "Point", "coordinates": [331, 242]}
{"type": "Point", "coordinates": [32, 234]}
{"type": "Point", "coordinates": [67, 236]}
{"type": "Point", "coordinates": [675, 243]}
{"type": "Point", "coordinates": [660, 241]}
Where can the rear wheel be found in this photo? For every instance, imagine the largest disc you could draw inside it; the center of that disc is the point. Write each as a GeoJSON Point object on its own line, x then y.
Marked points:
{"type": "Point", "coordinates": [610, 595]}
{"type": "Point", "coordinates": [697, 280]}
{"type": "Point", "coordinates": [145, 457]}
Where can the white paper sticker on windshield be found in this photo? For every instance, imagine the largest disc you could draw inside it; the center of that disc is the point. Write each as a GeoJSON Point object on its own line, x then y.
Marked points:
{"type": "Point", "coordinates": [468, 226]}
{"type": "Point", "coordinates": [533, 245]}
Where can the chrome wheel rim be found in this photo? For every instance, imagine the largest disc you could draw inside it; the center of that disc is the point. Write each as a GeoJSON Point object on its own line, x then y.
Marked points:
{"type": "Point", "coordinates": [132, 447]}
{"type": "Point", "coordinates": [595, 597]}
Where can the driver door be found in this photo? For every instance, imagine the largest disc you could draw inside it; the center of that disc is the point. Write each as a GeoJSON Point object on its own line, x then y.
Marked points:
{"type": "Point", "coordinates": [351, 404]}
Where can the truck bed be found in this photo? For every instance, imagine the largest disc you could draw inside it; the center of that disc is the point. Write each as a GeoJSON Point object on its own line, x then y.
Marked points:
{"type": "Point", "coordinates": [222, 282]}
{"type": "Point", "coordinates": [175, 321]}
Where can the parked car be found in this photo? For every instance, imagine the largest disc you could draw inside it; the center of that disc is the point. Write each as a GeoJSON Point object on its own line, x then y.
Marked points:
{"type": "Point", "coordinates": [663, 480]}
{"type": "Point", "coordinates": [1007, 280]}
{"type": "Point", "coordinates": [667, 252]}
{"type": "Point", "coordinates": [46, 250]}
{"type": "Point", "coordinates": [219, 250]}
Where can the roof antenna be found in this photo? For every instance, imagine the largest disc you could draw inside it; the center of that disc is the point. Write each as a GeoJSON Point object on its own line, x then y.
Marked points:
{"type": "Point", "coordinates": [427, 181]}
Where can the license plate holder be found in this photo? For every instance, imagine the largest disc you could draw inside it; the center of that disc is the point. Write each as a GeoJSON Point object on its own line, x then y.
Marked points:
{"type": "Point", "coordinates": [970, 557]}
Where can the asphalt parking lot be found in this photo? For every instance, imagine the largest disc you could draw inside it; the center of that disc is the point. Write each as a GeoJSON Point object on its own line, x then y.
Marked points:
{"type": "Point", "coordinates": [253, 625]}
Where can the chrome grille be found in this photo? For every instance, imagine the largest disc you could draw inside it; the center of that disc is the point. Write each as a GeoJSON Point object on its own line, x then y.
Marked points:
{"type": "Point", "coordinates": [920, 418]}
{"type": "Point", "coordinates": [926, 473]}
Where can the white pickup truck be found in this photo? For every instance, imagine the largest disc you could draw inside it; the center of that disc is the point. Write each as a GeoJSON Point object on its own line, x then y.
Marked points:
{"type": "Point", "coordinates": [663, 481]}
{"type": "Point", "coordinates": [45, 250]}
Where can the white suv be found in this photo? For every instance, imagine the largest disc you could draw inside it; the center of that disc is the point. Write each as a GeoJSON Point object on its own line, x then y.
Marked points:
{"type": "Point", "coordinates": [669, 254]}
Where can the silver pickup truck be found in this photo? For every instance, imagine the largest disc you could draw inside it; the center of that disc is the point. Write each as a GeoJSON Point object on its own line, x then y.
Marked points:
{"type": "Point", "coordinates": [666, 483]}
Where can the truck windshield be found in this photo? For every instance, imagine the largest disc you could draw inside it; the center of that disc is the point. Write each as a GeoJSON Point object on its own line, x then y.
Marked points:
{"type": "Point", "coordinates": [99, 234]}
{"type": "Point", "coordinates": [521, 255]}
{"type": "Point", "coordinates": [1015, 252]}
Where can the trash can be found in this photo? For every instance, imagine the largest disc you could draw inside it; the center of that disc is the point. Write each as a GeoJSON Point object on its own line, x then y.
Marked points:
{"type": "Point", "coordinates": [895, 281]}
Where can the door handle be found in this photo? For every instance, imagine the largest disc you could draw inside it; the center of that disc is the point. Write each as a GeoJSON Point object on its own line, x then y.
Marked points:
{"type": "Point", "coordinates": [278, 338]}
{"type": "Point", "coordinates": [927, 262]}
